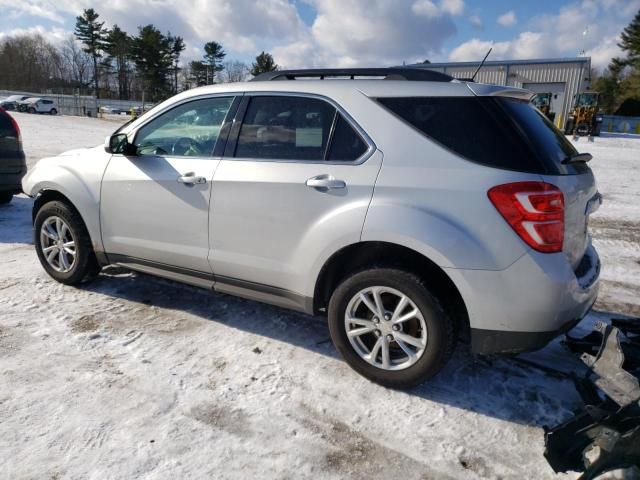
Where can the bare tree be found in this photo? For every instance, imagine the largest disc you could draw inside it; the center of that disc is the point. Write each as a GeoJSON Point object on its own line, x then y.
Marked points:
{"type": "Point", "coordinates": [234, 71]}
{"type": "Point", "coordinates": [77, 62]}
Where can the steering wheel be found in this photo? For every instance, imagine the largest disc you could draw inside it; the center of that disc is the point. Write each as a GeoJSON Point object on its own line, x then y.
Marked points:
{"type": "Point", "coordinates": [187, 146]}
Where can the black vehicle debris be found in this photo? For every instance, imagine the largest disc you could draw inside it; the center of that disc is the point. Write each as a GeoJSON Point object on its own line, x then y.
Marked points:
{"type": "Point", "coordinates": [605, 434]}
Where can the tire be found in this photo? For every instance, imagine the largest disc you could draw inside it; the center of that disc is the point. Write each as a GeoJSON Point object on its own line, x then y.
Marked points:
{"type": "Point", "coordinates": [31, 110]}
{"type": "Point", "coordinates": [53, 111]}
{"type": "Point", "coordinates": [5, 198]}
{"type": "Point", "coordinates": [568, 128]}
{"type": "Point", "coordinates": [79, 266]}
{"type": "Point", "coordinates": [431, 324]}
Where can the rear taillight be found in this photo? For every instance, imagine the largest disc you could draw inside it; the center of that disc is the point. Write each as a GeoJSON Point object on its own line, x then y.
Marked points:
{"type": "Point", "coordinates": [16, 127]}
{"type": "Point", "coordinates": [535, 210]}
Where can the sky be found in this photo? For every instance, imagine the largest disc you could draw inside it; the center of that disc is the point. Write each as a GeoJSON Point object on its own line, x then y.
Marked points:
{"type": "Point", "coordinates": [351, 33]}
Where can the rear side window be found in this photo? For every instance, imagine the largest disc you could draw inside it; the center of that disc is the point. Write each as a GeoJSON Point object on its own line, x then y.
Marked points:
{"type": "Point", "coordinates": [497, 132]}
{"type": "Point", "coordinates": [346, 144]}
{"type": "Point", "coordinates": [289, 128]}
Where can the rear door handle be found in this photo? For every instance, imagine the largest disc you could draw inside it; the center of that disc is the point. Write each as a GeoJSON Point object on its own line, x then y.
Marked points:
{"type": "Point", "coordinates": [191, 179]}
{"type": "Point", "coordinates": [325, 182]}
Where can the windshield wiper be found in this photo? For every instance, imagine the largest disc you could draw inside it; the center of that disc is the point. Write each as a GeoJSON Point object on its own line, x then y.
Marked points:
{"type": "Point", "coordinates": [577, 158]}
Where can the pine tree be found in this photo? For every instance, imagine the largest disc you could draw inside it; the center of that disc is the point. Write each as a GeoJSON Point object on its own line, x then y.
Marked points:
{"type": "Point", "coordinates": [92, 35]}
{"type": "Point", "coordinates": [177, 47]}
{"type": "Point", "coordinates": [213, 56]}
{"type": "Point", "coordinates": [198, 72]}
{"type": "Point", "coordinates": [264, 63]}
{"type": "Point", "coordinates": [151, 53]}
{"type": "Point", "coordinates": [630, 40]}
{"type": "Point", "coordinates": [118, 47]}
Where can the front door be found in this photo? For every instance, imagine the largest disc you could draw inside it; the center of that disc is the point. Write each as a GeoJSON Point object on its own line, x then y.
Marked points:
{"type": "Point", "coordinates": [155, 204]}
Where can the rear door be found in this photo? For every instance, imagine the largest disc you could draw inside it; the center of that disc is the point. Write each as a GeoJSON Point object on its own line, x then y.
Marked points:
{"type": "Point", "coordinates": [155, 205]}
{"type": "Point", "coordinates": [295, 183]}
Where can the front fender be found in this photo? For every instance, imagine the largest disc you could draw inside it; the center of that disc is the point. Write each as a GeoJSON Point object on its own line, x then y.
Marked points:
{"type": "Point", "coordinates": [78, 179]}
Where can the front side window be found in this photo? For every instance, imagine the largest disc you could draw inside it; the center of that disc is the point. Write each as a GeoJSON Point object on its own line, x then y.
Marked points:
{"type": "Point", "coordinates": [190, 129]}
{"type": "Point", "coordinates": [288, 128]}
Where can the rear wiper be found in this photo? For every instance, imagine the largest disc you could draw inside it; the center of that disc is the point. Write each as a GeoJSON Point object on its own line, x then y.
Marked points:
{"type": "Point", "coordinates": [577, 158]}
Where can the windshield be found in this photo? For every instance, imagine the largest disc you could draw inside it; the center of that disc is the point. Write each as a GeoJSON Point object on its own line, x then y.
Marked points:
{"type": "Point", "coordinates": [587, 100]}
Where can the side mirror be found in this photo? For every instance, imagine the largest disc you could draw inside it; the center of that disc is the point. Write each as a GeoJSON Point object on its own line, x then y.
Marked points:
{"type": "Point", "coordinates": [119, 143]}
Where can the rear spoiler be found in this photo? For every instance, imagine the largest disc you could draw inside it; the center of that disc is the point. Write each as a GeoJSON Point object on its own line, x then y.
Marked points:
{"type": "Point", "coordinates": [486, 90]}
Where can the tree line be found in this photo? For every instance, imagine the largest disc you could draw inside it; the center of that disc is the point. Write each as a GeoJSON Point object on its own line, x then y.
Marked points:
{"type": "Point", "coordinates": [619, 86]}
{"type": "Point", "coordinates": [111, 63]}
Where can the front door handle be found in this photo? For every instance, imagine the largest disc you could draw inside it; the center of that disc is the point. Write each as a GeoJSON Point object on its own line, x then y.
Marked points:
{"type": "Point", "coordinates": [325, 182]}
{"type": "Point", "coordinates": [191, 179]}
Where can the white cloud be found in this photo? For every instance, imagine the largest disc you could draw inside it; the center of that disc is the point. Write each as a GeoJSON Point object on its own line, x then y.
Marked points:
{"type": "Point", "coordinates": [476, 21]}
{"type": "Point", "coordinates": [426, 8]}
{"type": "Point", "coordinates": [508, 19]}
{"type": "Point", "coordinates": [55, 35]}
{"type": "Point", "coordinates": [453, 7]}
{"type": "Point", "coordinates": [368, 32]}
{"type": "Point", "coordinates": [560, 34]}
{"type": "Point", "coordinates": [33, 8]}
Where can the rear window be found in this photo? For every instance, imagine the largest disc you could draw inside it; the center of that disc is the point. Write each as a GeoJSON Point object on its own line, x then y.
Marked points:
{"type": "Point", "coordinates": [494, 131]}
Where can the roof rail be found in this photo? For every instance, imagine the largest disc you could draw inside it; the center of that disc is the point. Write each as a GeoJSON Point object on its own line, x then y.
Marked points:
{"type": "Point", "coordinates": [392, 73]}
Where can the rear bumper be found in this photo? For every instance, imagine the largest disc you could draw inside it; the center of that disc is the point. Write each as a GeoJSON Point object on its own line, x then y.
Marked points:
{"type": "Point", "coordinates": [12, 182]}
{"type": "Point", "coordinates": [525, 306]}
{"type": "Point", "coordinates": [496, 341]}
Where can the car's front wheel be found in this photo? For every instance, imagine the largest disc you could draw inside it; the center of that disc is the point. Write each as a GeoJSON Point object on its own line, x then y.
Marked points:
{"type": "Point", "coordinates": [63, 244]}
{"type": "Point", "coordinates": [389, 327]}
{"type": "Point", "coordinates": [53, 111]}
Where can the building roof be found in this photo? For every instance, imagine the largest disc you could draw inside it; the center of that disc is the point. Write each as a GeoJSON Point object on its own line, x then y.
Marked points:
{"type": "Point", "coordinates": [534, 61]}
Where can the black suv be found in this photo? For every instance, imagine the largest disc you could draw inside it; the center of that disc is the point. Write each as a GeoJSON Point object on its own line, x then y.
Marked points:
{"type": "Point", "coordinates": [12, 160]}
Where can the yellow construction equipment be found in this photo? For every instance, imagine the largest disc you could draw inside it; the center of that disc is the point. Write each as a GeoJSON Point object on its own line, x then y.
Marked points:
{"type": "Point", "coordinates": [543, 103]}
{"type": "Point", "coordinates": [585, 117]}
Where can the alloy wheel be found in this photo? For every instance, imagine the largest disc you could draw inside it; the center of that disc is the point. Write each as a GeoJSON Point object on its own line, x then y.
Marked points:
{"type": "Point", "coordinates": [385, 328]}
{"type": "Point", "coordinates": [58, 245]}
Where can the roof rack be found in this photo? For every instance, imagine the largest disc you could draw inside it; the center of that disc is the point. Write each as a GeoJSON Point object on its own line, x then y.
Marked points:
{"type": "Point", "coordinates": [392, 73]}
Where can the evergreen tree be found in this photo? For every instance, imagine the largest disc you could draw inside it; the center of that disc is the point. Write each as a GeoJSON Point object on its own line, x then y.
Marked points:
{"type": "Point", "coordinates": [264, 63]}
{"type": "Point", "coordinates": [177, 47]}
{"type": "Point", "coordinates": [151, 54]}
{"type": "Point", "coordinates": [213, 56]}
{"type": "Point", "coordinates": [198, 74]}
{"type": "Point", "coordinates": [630, 41]}
{"type": "Point", "coordinates": [92, 35]}
{"type": "Point", "coordinates": [118, 47]}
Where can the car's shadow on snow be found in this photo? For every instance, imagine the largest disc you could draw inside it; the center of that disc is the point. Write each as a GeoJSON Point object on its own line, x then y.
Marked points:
{"type": "Point", "coordinates": [500, 387]}
{"type": "Point", "coordinates": [15, 220]}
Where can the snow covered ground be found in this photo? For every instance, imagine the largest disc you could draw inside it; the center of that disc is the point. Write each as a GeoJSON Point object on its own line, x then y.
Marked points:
{"type": "Point", "coordinates": [136, 377]}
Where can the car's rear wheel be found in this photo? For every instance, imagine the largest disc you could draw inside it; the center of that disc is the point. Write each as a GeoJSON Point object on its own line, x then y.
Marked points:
{"type": "Point", "coordinates": [53, 111]}
{"type": "Point", "coordinates": [63, 244]}
{"type": "Point", "coordinates": [5, 198]}
{"type": "Point", "coordinates": [389, 327]}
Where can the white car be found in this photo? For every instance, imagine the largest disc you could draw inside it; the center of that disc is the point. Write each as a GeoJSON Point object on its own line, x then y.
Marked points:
{"type": "Point", "coordinates": [38, 105]}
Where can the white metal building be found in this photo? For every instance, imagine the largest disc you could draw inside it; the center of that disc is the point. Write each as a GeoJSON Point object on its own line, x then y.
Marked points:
{"type": "Point", "coordinates": [563, 77]}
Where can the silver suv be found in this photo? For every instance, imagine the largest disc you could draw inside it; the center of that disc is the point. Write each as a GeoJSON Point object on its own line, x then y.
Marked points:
{"type": "Point", "coordinates": [413, 210]}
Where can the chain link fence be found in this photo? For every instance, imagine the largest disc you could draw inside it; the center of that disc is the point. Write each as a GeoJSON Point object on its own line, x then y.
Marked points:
{"type": "Point", "coordinates": [80, 105]}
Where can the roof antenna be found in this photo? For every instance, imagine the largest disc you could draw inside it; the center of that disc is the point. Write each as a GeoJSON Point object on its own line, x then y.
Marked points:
{"type": "Point", "coordinates": [480, 66]}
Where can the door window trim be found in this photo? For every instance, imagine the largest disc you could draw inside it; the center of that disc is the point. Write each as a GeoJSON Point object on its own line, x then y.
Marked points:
{"type": "Point", "coordinates": [232, 142]}
{"type": "Point", "coordinates": [224, 128]}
